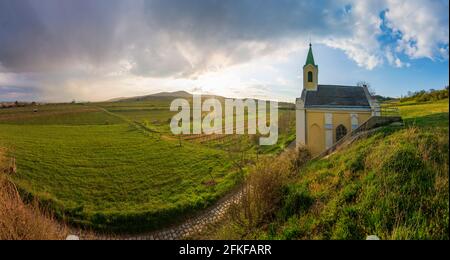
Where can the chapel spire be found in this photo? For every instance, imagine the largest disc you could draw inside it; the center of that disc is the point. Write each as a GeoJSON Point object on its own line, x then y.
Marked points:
{"type": "Point", "coordinates": [310, 72]}
{"type": "Point", "coordinates": [310, 58]}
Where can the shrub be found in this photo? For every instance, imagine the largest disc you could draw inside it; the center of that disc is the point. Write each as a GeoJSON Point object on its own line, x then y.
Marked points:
{"type": "Point", "coordinates": [265, 187]}
{"type": "Point", "coordinates": [262, 194]}
{"type": "Point", "coordinates": [299, 157]}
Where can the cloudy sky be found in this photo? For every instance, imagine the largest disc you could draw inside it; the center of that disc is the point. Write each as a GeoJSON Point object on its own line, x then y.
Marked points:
{"type": "Point", "coordinates": [59, 50]}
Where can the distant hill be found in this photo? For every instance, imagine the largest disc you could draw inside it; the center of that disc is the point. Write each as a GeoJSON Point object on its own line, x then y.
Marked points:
{"type": "Point", "coordinates": [176, 94]}
{"type": "Point", "coordinates": [380, 98]}
{"type": "Point", "coordinates": [182, 94]}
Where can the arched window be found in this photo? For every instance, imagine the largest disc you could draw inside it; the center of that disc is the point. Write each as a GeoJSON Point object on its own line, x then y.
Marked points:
{"type": "Point", "coordinates": [341, 131]}
{"type": "Point", "coordinates": [310, 76]}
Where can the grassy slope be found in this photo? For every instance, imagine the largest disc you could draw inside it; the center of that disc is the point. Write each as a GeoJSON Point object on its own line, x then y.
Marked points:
{"type": "Point", "coordinates": [393, 184]}
{"type": "Point", "coordinates": [429, 114]}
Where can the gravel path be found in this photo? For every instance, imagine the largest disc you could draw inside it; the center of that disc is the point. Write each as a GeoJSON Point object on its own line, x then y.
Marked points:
{"type": "Point", "coordinates": [189, 227]}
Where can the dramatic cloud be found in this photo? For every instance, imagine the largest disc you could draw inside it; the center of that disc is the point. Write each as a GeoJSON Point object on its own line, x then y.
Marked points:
{"type": "Point", "coordinates": [75, 43]}
{"type": "Point", "coordinates": [422, 26]}
{"type": "Point", "coordinates": [155, 38]}
{"type": "Point", "coordinates": [362, 46]}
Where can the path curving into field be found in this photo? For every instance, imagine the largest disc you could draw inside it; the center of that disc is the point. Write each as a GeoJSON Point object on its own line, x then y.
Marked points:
{"type": "Point", "coordinates": [189, 226]}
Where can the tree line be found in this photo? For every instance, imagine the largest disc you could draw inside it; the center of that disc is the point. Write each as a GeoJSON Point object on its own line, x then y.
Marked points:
{"type": "Point", "coordinates": [424, 96]}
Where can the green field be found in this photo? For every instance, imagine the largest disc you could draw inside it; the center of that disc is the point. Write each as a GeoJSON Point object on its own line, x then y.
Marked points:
{"type": "Point", "coordinates": [425, 114]}
{"type": "Point", "coordinates": [62, 114]}
{"type": "Point", "coordinates": [116, 167]}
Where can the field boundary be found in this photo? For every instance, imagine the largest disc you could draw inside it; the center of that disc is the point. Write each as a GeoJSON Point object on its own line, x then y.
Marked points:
{"type": "Point", "coordinates": [134, 124]}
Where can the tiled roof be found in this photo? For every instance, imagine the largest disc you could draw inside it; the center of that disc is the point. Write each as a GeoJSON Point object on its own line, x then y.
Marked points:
{"type": "Point", "coordinates": [336, 96]}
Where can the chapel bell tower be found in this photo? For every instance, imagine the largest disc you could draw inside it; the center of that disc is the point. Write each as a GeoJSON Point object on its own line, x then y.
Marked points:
{"type": "Point", "coordinates": [310, 72]}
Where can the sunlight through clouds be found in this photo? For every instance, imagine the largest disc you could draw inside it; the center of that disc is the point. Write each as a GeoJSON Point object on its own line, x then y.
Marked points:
{"type": "Point", "coordinates": [94, 50]}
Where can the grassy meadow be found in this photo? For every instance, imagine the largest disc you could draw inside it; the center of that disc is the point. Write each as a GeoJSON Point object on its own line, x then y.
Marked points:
{"type": "Point", "coordinates": [425, 114]}
{"type": "Point", "coordinates": [393, 184]}
{"type": "Point", "coordinates": [115, 166]}
{"type": "Point", "coordinates": [20, 220]}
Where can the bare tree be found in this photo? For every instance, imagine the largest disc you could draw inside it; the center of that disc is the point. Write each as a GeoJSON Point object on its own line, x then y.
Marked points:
{"type": "Point", "coordinates": [363, 83]}
{"type": "Point", "coordinates": [237, 153]}
{"type": "Point", "coordinates": [254, 139]}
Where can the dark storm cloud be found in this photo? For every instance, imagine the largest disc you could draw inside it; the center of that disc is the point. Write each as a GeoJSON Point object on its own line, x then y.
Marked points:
{"type": "Point", "coordinates": [155, 38]}
{"type": "Point", "coordinates": [239, 20]}
{"type": "Point", "coordinates": [45, 35]}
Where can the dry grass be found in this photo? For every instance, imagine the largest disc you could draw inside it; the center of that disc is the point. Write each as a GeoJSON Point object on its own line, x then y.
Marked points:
{"type": "Point", "coordinates": [263, 194]}
{"type": "Point", "coordinates": [22, 221]}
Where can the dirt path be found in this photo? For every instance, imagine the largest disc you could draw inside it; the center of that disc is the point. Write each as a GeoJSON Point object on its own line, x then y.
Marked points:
{"type": "Point", "coordinates": [189, 226]}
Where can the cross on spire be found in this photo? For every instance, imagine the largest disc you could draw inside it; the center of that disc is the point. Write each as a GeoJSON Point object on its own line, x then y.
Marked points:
{"type": "Point", "coordinates": [310, 58]}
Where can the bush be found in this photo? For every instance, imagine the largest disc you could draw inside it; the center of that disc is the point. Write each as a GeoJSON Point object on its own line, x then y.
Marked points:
{"type": "Point", "coordinates": [299, 158]}
{"type": "Point", "coordinates": [262, 194]}
{"type": "Point", "coordinates": [265, 193]}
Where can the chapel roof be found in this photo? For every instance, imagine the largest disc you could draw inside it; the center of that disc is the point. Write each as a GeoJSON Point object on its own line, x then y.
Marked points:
{"type": "Point", "coordinates": [332, 96]}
